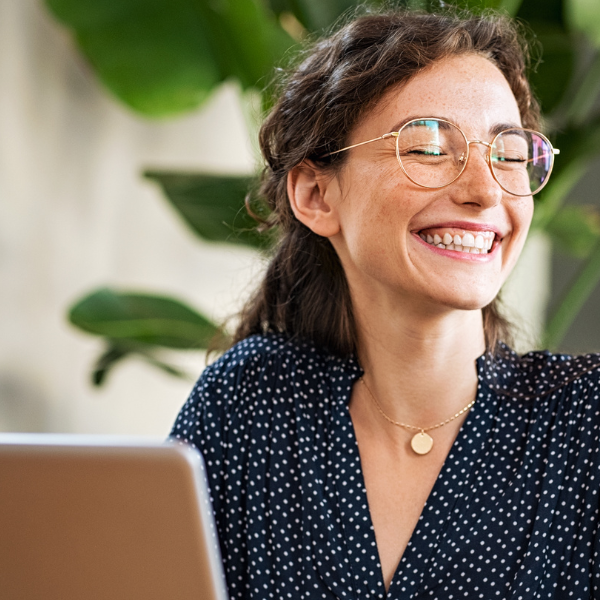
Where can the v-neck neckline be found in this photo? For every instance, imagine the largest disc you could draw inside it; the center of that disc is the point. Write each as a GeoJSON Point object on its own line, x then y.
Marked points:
{"type": "Point", "coordinates": [438, 508]}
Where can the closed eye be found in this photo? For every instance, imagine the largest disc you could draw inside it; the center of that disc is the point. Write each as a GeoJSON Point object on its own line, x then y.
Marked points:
{"type": "Point", "coordinates": [510, 159]}
{"type": "Point", "coordinates": [432, 151]}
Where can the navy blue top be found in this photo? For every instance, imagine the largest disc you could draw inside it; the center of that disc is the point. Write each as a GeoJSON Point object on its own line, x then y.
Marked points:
{"type": "Point", "coordinates": [513, 513]}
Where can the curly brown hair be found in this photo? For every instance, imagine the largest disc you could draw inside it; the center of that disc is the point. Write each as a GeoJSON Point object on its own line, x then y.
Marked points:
{"type": "Point", "coordinates": [304, 292]}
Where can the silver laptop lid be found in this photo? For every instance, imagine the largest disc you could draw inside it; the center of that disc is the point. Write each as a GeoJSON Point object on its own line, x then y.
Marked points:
{"type": "Point", "coordinates": [105, 518]}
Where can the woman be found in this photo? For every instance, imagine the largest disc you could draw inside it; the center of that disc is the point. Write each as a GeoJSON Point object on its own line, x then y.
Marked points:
{"type": "Point", "coordinates": [368, 436]}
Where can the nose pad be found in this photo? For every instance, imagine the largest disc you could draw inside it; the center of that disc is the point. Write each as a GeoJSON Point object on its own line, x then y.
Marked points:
{"type": "Point", "coordinates": [484, 154]}
{"type": "Point", "coordinates": [462, 159]}
{"type": "Point", "coordinates": [484, 189]}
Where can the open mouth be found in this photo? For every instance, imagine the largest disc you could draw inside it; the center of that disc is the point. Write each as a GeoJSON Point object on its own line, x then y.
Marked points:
{"type": "Point", "coordinates": [459, 240]}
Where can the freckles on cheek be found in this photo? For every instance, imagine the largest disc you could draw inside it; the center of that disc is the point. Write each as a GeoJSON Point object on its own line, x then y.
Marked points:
{"type": "Point", "coordinates": [392, 203]}
{"type": "Point", "coordinates": [524, 211]}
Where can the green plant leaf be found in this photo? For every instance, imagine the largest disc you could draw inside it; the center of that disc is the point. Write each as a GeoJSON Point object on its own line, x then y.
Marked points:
{"type": "Point", "coordinates": [131, 319]}
{"type": "Point", "coordinates": [584, 15]}
{"type": "Point", "coordinates": [115, 353]}
{"type": "Point", "coordinates": [575, 229]}
{"type": "Point", "coordinates": [213, 206]}
{"type": "Point", "coordinates": [246, 39]}
{"type": "Point", "coordinates": [166, 367]}
{"type": "Point", "coordinates": [162, 57]}
{"type": "Point", "coordinates": [156, 60]}
{"type": "Point", "coordinates": [105, 362]}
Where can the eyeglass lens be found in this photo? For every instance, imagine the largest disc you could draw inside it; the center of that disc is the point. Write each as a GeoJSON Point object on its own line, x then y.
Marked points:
{"type": "Point", "coordinates": [433, 154]}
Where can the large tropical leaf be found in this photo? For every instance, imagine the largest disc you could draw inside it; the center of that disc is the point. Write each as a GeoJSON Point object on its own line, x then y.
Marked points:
{"type": "Point", "coordinates": [130, 319]}
{"type": "Point", "coordinates": [213, 206]}
{"type": "Point", "coordinates": [166, 56]}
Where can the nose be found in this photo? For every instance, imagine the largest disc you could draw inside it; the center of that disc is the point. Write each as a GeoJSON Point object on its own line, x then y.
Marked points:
{"type": "Point", "coordinates": [477, 184]}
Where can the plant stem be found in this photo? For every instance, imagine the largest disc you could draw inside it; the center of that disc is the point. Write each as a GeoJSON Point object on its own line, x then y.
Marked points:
{"type": "Point", "coordinates": [574, 299]}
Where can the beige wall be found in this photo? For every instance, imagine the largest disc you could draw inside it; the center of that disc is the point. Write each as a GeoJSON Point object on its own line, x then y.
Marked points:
{"type": "Point", "coordinates": [75, 214]}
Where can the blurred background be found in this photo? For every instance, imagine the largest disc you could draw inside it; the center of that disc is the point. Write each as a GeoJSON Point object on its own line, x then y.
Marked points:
{"type": "Point", "coordinates": [128, 143]}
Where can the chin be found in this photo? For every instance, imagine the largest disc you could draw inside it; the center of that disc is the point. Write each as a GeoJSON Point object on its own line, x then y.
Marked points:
{"type": "Point", "coordinates": [471, 301]}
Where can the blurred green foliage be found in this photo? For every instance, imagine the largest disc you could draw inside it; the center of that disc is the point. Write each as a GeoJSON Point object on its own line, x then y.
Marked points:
{"type": "Point", "coordinates": [213, 206]}
{"type": "Point", "coordinates": [137, 324]}
{"type": "Point", "coordinates": [163, 57]}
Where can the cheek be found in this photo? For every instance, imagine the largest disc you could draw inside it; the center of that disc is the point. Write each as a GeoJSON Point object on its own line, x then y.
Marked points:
{"type": "Point", "coordinates": [524, 212]}
{"type": "Point", "coordinates": [370, 198]}
{"type": "Point", "coordinates": [522, 216]}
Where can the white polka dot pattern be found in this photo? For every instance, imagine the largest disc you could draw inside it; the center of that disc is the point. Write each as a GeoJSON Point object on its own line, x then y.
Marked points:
{"type": "Point", "coordinates": [513, 515]}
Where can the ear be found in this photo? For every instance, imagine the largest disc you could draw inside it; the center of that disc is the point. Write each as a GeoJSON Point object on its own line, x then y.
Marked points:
{"type": "Point", "coordinates": [312, 198]}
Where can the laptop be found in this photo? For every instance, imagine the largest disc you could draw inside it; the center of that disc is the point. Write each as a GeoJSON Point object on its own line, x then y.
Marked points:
{"type": "Point", "coordinates": [90, 518]}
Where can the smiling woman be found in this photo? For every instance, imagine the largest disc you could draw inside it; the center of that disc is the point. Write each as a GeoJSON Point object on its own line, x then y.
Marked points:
{"type": "Point", "coordinates": [370, 434]}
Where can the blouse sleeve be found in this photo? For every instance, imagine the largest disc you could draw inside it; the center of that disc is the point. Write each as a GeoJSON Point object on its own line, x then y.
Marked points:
{"type": "Point", "coordinates": [210, 419]}
{"type": "Point", "coordinates": [200, 423]}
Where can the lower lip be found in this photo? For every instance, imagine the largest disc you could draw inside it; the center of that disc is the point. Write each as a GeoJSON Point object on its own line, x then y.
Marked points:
{"type": "Point", "coordinates": [460, 255]}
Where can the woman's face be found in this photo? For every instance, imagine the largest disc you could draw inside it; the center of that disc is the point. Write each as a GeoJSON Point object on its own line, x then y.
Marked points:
{"type": "Point", "coordinates": [382, 214]}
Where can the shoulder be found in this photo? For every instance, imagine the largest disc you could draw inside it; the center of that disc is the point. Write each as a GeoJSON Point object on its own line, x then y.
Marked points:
{"type": "Point", "coordinates": [540, 373]}
{"type": "Point", "coordinates": [267, 356]}
{"type": "Point", "coordinates": [258, 374]}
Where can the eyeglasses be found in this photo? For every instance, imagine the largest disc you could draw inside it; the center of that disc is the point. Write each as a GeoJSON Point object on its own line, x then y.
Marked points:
{"type": "Point", "coordinates": [433, 153]}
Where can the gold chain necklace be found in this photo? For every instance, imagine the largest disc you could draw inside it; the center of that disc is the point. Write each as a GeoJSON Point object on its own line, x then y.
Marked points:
{"type": "Point", "coordinates": [421, 442]}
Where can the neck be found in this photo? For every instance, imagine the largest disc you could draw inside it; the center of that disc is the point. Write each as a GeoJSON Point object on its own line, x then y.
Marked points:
{"type": "Point", "coordinates": [420, 365]}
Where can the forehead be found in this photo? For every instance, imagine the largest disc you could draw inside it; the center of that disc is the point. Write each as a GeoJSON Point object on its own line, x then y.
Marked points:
{"type": "Point", "coordinates": [468, 90]}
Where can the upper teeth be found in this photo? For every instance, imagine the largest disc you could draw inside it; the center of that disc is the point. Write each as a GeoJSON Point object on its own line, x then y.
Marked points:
{"type": "Point", "coordinates": [473, 242]}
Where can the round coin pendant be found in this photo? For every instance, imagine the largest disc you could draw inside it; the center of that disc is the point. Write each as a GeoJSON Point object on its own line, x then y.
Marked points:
{"type": "Point", "coordinates": [421, 443]}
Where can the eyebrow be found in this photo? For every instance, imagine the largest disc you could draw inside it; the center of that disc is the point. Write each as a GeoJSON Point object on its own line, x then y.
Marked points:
{"type": "Point", "coordinates": [495, 130]}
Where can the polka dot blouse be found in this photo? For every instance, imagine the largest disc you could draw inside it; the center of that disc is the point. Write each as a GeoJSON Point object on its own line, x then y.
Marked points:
{"type": "Point", "coordinates": [513, 514]}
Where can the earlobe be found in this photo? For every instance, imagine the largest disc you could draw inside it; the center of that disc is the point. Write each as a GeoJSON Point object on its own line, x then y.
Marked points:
{"type": "Point", "coordinates": [310, 194]}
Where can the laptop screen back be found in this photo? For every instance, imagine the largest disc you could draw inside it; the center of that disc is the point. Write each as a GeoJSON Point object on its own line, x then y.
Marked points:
{"type": "Point", "coordinates": [100, 520]}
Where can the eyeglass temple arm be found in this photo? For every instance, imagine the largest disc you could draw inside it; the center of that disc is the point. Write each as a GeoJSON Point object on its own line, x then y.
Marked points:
{"type": "Point", "coordinates": [554, 152]}
{"type": "Point", "coordinates": [385, 136]}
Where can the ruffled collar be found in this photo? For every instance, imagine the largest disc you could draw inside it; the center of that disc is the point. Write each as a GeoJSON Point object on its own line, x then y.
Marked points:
{"type": "Point", "coordinates": [533, 374]}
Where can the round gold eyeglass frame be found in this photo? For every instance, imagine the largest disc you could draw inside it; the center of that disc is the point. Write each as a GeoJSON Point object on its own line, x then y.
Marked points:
{"type": "Point", "coordinates": [464, 158]}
